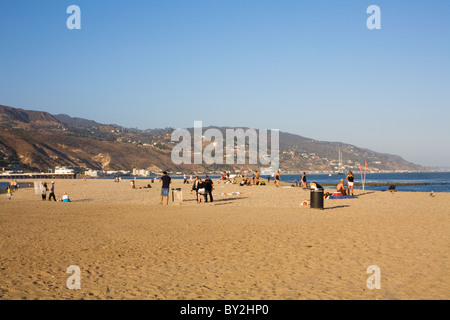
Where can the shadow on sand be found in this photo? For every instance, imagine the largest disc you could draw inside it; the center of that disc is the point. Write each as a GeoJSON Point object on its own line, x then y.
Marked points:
{"type": "Point", "coordinates": [365, 193]}
{"type": "Point", "coordinates": [218, 202]}
{"type": "Point", "coordinates": [337, 207]}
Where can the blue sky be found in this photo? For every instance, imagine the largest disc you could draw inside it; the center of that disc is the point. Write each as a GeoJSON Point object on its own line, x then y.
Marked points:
{"type": "Point", "coordinates": [311, 68]}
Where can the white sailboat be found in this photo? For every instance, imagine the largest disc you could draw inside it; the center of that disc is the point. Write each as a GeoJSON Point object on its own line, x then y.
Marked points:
{"type": "Point", "coordinates": [340, 171]}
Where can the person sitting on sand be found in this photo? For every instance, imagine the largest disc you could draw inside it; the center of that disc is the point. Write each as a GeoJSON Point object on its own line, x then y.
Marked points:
{"type": "Point", "coordinates": [65, 198]}
{"type": "Point", "coordinates": [340, 188]}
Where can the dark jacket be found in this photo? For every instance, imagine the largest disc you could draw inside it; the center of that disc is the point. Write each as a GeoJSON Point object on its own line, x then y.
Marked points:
{"type": "Point", "coordinates": [196, 185]}
{"type": "Point", "coordinates": [208, 184]}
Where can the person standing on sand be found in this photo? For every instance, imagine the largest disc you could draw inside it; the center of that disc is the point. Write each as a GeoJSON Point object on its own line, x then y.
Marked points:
{"type": "Point", "coordinates": [195, 187]}
{"type": "Point", "coordinates": [350, 180]}
{"type": "Point", "coordinates": [209, 185]}
{"type": "Point", "coordinates": [165, 179]}
{"type": "Point", "coordinates": [277, 178]}
{"type": "Point", "coordinates": [44, 191]}
{"type": "Point", "coordinates": [201, 191]}
{"type": "Point", "coordinates": [51, 193]}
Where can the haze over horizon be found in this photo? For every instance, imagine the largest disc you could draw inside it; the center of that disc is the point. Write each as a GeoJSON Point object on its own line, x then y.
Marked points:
{"type": "Point", "coordinates": [311, 69]}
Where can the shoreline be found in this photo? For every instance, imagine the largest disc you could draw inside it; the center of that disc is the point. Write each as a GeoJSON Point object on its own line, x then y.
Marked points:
{"type": "Point", "coordinates": [28, 184]}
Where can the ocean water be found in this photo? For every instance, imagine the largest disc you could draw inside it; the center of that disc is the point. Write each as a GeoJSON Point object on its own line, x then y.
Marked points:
{"type": "Point", "coordinates": [4, 184]}
{"type": "Point", "coordinates": [426, 181]}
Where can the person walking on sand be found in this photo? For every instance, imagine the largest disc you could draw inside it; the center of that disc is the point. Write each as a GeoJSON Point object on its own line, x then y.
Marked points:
{"type": "Point", "coordinates": [165, 179]}
{"type": "Point", "coordinates": [51, 193]}
{"type": "Point", "coordinates": [350, 180]}
{"type": "Point", "coordinates": [277, 178]}
{"type": "Point", "coordinates": [8, 192]}
{"type": "Point", "coordinates": [304, 185]}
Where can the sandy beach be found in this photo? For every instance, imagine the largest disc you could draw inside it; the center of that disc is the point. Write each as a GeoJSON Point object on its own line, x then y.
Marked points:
{"type": "Point", "coordinates": [263, 245]}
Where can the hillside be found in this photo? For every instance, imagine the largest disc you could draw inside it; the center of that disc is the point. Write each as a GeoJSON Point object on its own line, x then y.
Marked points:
{"type": "Point", "coordinates": [41, 141]}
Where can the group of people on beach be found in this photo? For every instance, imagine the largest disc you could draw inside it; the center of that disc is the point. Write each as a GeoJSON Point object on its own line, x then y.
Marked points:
{"type": "Point", "coordinates": [13, 186]}
{"type": "Point", "coordinates": [203, 189]}
{"type": "Point", "coordinates": [350, 181]}
{"type": "Point", "coordinates": [51, 193]}
{"type": "Point", "coordinates": [302, 181]}
{"type": "Point", "coordinates": [340, 186]}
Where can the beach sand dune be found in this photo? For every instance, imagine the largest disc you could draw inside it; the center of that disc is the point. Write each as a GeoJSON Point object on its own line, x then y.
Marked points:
{"type": "Point", "coordinates": [263, 245]}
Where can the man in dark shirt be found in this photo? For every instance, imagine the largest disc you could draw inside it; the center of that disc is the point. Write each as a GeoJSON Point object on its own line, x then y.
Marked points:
{"type": "Point", "coordinates": [208, 189]}
{"type": "Point", "coordinates": [52, 192]}
{"type": "Point", "coordinates": [165, 179]}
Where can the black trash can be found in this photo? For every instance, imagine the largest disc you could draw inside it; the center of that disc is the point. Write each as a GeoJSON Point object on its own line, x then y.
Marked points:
{"type": "Point", "coordinates": [316, 198]}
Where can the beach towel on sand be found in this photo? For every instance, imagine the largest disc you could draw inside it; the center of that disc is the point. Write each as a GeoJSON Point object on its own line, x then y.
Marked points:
{"type": "Point", "coordinates": [342, 197]}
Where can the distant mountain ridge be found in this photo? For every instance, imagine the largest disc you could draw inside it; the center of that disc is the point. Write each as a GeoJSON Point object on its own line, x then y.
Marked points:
{"type": "Point", "coordinates": [41, 141]}
{"type": "Point", "coordinates": [75, 122]}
